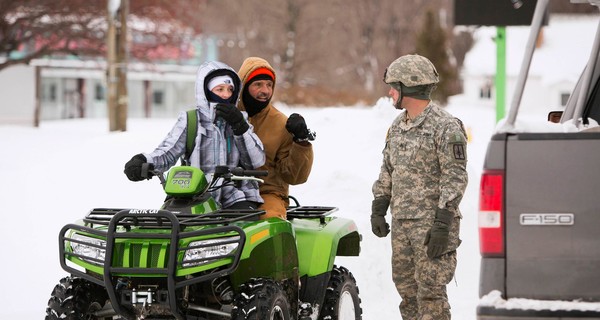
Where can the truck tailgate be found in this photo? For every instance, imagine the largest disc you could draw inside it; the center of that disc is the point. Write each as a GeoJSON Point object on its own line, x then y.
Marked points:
{"type": "Point", "coordinates": [553, 216]}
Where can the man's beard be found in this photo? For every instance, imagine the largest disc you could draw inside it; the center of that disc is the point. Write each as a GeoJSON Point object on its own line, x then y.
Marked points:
{"type": "Point", "coordinates": [252, 105]}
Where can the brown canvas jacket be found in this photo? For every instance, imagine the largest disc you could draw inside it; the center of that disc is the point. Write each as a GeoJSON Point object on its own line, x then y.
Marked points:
{"type": "Point", "coordinates": [288, 163]}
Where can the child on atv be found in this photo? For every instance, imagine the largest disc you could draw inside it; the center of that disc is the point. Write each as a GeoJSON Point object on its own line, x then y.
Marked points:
{"type": "Point", "coordinates": [224, 138]}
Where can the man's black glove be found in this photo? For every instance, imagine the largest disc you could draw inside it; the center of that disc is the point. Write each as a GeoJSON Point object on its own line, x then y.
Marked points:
{"type": "Point", "coordinates": [133, 168]}
{"type": "Point", "coordinates": [436, 239]}
{"type": "Point", "coordinates": [233, 116]}
{"type": "Point", "coordinates": [378, 210]}
{"type": "Point", "coordinates": [297, 127]}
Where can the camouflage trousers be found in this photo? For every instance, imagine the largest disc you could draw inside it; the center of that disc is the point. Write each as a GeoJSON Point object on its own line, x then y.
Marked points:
{"type": "Point", "coordinates": [420, 281]}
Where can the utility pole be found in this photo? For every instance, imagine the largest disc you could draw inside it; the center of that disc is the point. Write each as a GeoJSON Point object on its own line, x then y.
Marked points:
{"type": "Point", "coordinates": [499, 13]}
{"type": "Point", "coordinates": [500, 79]}
{"type": "Point", "coordinates": [116, 73]}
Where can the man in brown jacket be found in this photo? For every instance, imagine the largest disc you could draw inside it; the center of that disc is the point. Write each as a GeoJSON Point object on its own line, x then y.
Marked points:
{"type": "Point", "coordinates": [286, 140]}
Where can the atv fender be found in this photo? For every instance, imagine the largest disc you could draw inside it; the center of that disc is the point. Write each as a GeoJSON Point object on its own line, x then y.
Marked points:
{"type": "Point", "coordinates": [269, 252]}
{"type": "Point", "coordinates": [319, 241]}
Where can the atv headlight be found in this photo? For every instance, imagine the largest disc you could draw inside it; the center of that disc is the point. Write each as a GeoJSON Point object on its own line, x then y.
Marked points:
{"type": "Point", "coordinates": [206, 251]}
{"type": "Point", "coordinates": [95, 249]}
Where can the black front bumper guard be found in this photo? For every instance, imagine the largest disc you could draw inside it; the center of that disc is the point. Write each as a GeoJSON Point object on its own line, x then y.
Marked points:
{"type": "Point", "coordinates": [162, 219]}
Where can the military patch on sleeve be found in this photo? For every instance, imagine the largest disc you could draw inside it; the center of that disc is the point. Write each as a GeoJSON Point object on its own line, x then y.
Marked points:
{"type": "Point", "coordinates": [458, 143]}
{"type": "Point", "coordinates": [459, 151]}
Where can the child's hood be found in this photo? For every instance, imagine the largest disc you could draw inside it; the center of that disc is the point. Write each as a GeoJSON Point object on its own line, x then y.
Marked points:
{"type": "Point", "coordinates": [219, 68]}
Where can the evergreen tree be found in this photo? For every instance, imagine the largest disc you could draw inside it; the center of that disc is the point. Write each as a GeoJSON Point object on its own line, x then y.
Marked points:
{"type": "Point", "coordinates": [432, 42]}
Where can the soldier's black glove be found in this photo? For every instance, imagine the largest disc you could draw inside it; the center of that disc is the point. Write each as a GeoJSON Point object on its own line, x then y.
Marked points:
{"type": "Point", "coordinates": [379, 208]}
{"type": "Point", "coordinates": [297, 127]}
{"type": "Point", "coordinates": [233, 117]}
{"type": "Point", "coordinates": [436, 239]}
{"type": "Point", "coordinates": [133, 168]}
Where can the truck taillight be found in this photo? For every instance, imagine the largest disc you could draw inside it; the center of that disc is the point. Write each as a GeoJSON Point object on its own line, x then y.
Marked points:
{"type": "Point", "coordinates": [491, 213]}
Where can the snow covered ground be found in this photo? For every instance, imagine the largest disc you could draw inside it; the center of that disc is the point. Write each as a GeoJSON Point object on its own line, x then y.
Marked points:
{"type": "Point", "coordinates": [55, 174]}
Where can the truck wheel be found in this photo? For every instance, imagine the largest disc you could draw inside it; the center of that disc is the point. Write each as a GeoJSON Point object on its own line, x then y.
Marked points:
{"type": "Point", "coordinates": [261, 299]}
{"type": "Point", "coordinates": [341, 299]}
{"type": "Point", "coordinates": [75, 299]}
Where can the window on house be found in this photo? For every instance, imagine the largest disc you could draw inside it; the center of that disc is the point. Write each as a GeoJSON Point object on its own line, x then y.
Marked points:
{"type": "Point", "coordinates": [158, 97]}
{"type": "Point", "coordinates": [564, 97]}
{"type": "Point", "coordinates": [99, 92]}
{"type": "Point", "coordinates": [485, 92]}
{"type": "Point", "coordinates": [49, 92]}
{"type": "Point", "coordinates": [52, 92]}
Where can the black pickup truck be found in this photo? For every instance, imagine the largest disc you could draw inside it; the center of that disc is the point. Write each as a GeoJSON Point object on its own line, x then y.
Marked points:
{"type": "Point", "coordinates": [539, 219]}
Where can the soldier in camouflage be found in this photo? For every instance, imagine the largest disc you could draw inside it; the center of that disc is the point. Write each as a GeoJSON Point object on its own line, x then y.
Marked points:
{"type": "Point", "coordinates": [422, 181]}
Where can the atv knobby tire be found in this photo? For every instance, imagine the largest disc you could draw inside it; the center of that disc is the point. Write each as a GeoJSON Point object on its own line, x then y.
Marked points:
{"type": "Point", "coordinates": [341, 299]}
{"type": "Point", "coordinates": [261, 299]}
{"type": "Point", "coordinates": [75, 299]}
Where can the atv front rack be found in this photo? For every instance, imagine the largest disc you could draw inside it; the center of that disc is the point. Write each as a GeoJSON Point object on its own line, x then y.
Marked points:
{"type": "Point", "coordinates": [111, 225]}
{"type": "Point", "coordinates": [102, 216]}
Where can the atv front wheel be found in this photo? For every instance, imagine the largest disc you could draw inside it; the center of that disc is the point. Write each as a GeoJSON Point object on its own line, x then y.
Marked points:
{"type": "Point", "coordinates": [75, 299]}
{"type": "Point", "coordinates": [341, 299]}
{"type": "Point", "coordinates": [261, 299]}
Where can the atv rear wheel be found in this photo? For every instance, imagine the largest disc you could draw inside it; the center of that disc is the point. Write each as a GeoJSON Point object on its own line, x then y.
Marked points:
{"type": "Point", "coordinates": [341, 299]}
{"type": "Point", "coordinates": [261, 299]}
{"type": "Point", "coordinates": [75, 299]}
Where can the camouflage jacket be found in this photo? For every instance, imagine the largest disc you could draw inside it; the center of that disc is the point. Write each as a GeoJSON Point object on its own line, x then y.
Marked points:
{"type": "Point", "coordinates": [424, 164]}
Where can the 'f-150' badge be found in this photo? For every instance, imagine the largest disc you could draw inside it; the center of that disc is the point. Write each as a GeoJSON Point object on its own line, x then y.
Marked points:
{"type": "Point", "coordinates": [547, 219]}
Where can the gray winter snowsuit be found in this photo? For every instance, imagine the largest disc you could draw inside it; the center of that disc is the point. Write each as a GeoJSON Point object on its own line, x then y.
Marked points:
{"type": "Point", "coordinates": [215, 143]}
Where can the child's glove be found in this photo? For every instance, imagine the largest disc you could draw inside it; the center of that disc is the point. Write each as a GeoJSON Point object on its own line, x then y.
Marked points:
{"type": "Point", "coordinates": [233, 117]}
{"type": "Point", "coordinates": [133, 168]}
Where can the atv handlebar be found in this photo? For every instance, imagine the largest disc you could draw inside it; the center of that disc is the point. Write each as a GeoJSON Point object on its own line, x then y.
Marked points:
{"type": "Point", "coordinates": [239, 174]}
{"type": "Point", "coordinates": [227, 173]}
{"type": "Point", "coordinates": [255, 173]}
{"type": "Point", "coordinates": [147, 171]}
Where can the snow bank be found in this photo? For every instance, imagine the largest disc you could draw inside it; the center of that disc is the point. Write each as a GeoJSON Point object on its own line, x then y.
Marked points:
{"type": "Point", "coordinates": [494, 299]}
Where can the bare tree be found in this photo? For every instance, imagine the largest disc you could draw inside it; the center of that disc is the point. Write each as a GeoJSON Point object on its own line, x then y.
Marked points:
{"type": "Point", "coordinates": [324, 51]}
{"type": "Point", "coordinates": [568, 7]}
{"type": "Point", "coordinates": [48, 28]}
{"type": "Point", "coordinates": [30, 29]}
{"type": "Point", "coordinates": [363, 53]}
{"type": "Point", "coordinates": [432, 42]}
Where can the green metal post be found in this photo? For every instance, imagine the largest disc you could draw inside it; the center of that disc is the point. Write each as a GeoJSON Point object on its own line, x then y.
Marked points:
{"type": "Point", "coordinates": [500, 72]}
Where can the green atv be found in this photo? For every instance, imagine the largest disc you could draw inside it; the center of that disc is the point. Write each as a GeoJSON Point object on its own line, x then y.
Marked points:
{"type": "Point", "coordinates": [191, 260]}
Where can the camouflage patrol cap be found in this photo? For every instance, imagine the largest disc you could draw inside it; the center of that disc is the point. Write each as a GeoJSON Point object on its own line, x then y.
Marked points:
{"type": "Point", "coordinates": [411, 70]}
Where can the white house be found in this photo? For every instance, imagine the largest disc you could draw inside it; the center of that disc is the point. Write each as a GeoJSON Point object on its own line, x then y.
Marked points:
{"type": "Point", "coordinates": [17, 94]}
{"type": "Point", "coordinates": [73, 89]}
{"type": "Point", "coordinates": [48, 89]}
{"type": "Point", "coordinates": [154, 90]}
{"type": "Point", "coordinates": [556, 65]}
